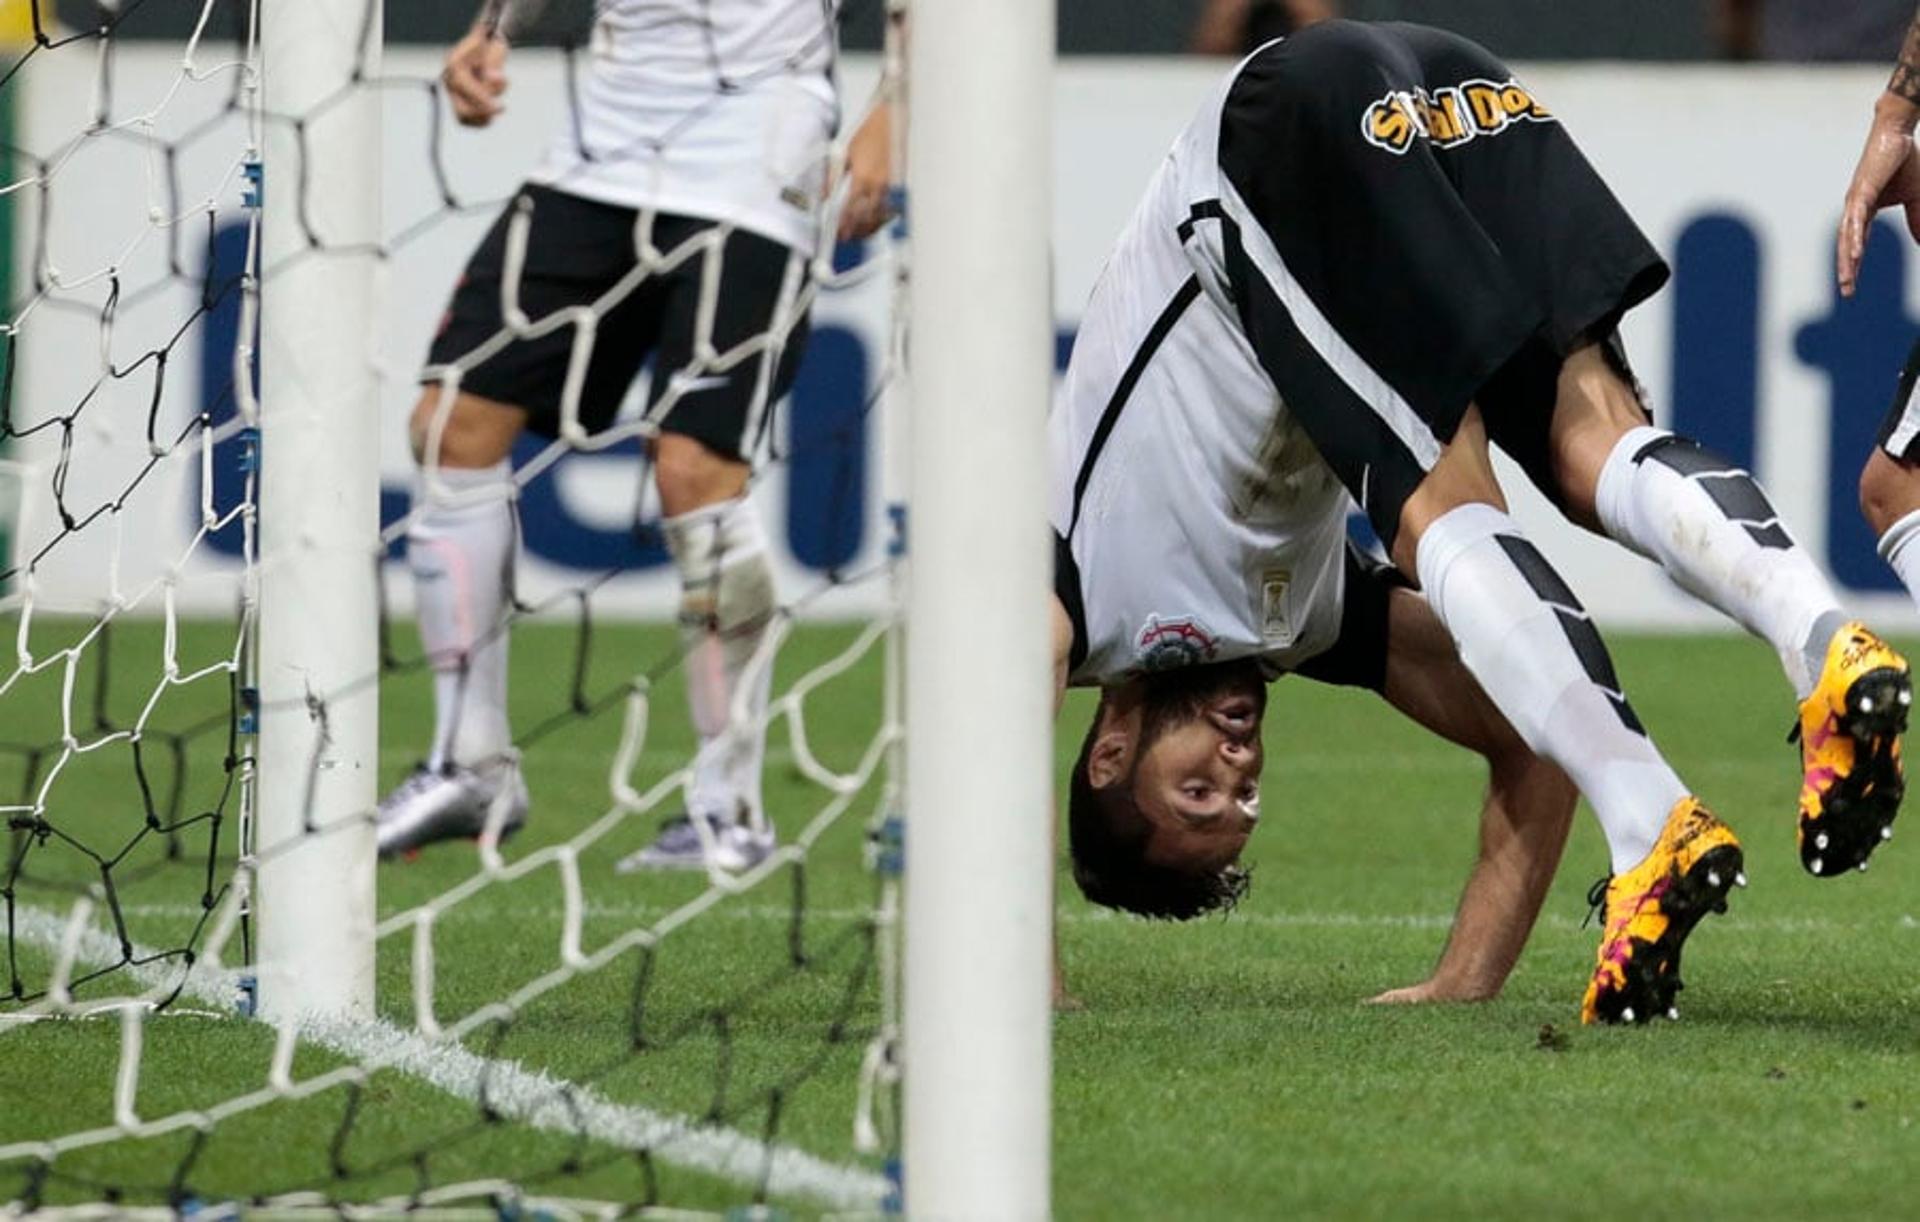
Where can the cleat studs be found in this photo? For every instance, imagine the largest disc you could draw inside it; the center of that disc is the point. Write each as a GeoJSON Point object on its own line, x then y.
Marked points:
{"type": "Point", "coordinates": [1863, 867]}
{"type": "Point", "coordinates": [1818, 866]}
{"type": "Point", "coordinates": [1886, 833]}
{"type": "Point", "coordinates": [1673, 1014]}
{"type": "Point", "coordinates": [1866, 704]}
{"type": "Point", "coordinates": [1713, 878]}
{"type": "Point", "coordinates": [1740, 879]}
{"type": "Point", "coordinates": [1626, 1015]}
{"type": "Point", "coordinates": [1906, 697]}
{"type": "Point", "coordinates": [1820, 841]}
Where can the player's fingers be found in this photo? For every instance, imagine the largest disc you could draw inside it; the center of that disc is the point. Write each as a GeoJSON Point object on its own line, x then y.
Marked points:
{"type": "Point", "coordinates": [1851, 244]}
{"type": "Point", "coordinates": [472, 101]}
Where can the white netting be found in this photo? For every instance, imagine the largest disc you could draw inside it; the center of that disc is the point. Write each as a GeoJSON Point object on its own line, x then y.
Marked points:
{"type": "Point", "coordinates": [540, 1044]}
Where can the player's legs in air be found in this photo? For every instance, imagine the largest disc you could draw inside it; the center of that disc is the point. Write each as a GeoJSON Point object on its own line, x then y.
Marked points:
{"type": "Point", "coordinates": [1385, 287]}
{"type": "Point", "coordinates": [1712, 528]}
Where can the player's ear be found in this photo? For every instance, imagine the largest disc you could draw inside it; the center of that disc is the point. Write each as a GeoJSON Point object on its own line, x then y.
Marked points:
{"type": "Point", "coordinates": [1107, 761]}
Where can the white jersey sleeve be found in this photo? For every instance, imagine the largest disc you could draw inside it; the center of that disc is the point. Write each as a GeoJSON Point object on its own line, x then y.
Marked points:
{"type": "Point", "coordinates": [720, 109]}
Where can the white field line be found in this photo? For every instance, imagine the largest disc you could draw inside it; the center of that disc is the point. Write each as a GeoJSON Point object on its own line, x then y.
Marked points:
{"type": "Point", "coordinates": [1260, 920]}
{"type": "Point", "coordinates": [528, 1096]}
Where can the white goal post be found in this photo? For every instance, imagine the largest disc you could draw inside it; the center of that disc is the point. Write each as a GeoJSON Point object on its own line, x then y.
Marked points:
{"type": "Point", "coordinates": [979, 884]}
{"type": "Point", "coordinates": [317, 659]}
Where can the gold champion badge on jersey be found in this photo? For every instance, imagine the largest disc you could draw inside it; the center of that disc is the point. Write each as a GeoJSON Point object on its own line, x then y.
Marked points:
{"type": "Point", "coordinates": [1276, 613]}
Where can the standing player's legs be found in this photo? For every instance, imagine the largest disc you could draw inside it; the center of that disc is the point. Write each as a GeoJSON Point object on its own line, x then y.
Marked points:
{"type": "Point", "coordinates": [730, 342]}
{"type": "Point", "coordinates": [461, 540]}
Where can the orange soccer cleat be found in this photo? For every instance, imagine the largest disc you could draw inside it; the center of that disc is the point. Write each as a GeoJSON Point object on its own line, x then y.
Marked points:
{"type": "Point", "coordinates": [1648, 912]}
{"type": "Point", "coordinates": [1849, 733]}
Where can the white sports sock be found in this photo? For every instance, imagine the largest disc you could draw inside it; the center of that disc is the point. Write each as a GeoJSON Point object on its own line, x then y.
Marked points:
{"type": "Point", "coordinates": [1530, 644]}
{"type": "Point", "coordinates": [1898, 549]}
{"type": "Point", "coordinates": [1711, 527]}
{"type": "Point", "coordinates": [726, 609]}
{"type": "Point", "coordinates": [461, 555]}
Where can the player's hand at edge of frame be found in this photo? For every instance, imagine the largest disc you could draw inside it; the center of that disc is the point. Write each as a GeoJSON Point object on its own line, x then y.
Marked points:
{"type": "Point", "coordinates": [1888, 174]}
{"type": "Point", "coordinates": [869, 175]}
{"type": "Point", "coordinates": [475, 76]}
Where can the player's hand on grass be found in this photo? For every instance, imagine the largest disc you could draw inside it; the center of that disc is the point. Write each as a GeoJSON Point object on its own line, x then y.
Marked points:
{"type": "Point", "coordinates": [1433, 990]}
{"type": "Point", "coordinates": [1888, 174]}
{"type": "Point", "coordinates": [869, 177]}
{"type": "Point", "coordinates": [476, 75]}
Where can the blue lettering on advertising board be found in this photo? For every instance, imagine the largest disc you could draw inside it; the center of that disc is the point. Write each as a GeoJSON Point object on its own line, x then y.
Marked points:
{"type": "Point", "coordinates": [1719, 282]}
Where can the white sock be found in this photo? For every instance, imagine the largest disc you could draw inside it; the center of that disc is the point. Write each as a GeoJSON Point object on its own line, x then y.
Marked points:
{"type": "Point", "coordinates": [461, 555]}
{"type": "Point", "coordinates": [726, 608]}
{"type": "Point", "coordinates": [1530, 644]}
{"type": "Point", "coordinates": [1898, 549]}
{"type": "Point", "coordinates": [1711, 527]}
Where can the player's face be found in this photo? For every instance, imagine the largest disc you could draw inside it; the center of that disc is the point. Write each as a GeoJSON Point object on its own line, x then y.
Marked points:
{"type": "Point", "coordinates": [1198, 776]}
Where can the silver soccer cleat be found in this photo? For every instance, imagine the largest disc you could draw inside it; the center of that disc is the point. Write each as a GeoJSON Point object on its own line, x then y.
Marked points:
{"type": "Point", "coordinates": [738, 845]}
{"type": "Point", "coordinates": [450, 804]}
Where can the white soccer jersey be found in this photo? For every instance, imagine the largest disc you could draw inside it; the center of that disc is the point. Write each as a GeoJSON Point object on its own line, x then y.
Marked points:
{"type": "Point", "coordinates": [723, 109]}
{"type": "Point", "coordinates": [1202, 521]}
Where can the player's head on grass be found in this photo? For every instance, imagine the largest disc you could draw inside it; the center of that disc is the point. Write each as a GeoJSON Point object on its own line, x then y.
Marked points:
{"type": "Point", "coordinates": [1167, 790]}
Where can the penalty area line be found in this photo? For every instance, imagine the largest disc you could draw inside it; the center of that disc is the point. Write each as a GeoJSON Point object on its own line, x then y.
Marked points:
{"type": "Point", "coordinates": [528, 1096]}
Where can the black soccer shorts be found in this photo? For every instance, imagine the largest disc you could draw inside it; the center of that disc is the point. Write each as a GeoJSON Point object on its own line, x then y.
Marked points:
{"type": "Point", "coordinates": [578, 249]}
{"type": "Point", "coordinates": [1452, 240]}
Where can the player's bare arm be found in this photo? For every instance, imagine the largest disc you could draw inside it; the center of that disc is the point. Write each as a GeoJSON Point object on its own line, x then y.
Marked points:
{"type": "Point", "coordinates": [1523, 824]}
{"type": "Point", "coordinates": [869, 175]}
{"type": "Point", "coordinates": [1887, 173]}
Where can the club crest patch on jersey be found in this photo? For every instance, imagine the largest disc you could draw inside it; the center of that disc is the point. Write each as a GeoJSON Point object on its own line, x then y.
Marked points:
{"type": "Point", "coordinates": [1450, 116]}
{"type": "Point", "coordinates": [1167, 644]}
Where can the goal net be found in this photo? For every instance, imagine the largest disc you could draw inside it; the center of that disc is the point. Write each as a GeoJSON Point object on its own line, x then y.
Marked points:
{"type": "Point", "coordinates": [195, 310]}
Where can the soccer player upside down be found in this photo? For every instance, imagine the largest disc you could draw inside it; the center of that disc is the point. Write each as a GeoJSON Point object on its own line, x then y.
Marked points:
{"type": "Point", "coordinates": [1341, 287]}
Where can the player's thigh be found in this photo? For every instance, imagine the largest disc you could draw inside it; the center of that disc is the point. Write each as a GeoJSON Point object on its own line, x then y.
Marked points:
{"type": "Point", "coordinates": [545, 318]}
{"type": "Point", "coordinates": [1559, 418]}
{"type": "Point", "coordinates": [1890, 481]}
{"type": "Point", "coordinates": [730, 344]}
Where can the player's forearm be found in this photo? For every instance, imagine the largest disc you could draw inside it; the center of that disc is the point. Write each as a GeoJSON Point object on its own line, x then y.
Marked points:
{"type": "Point", "coordinates": [1523, 829]}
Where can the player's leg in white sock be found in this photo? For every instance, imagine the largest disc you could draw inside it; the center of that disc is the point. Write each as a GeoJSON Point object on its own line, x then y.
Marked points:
{"type": "Point", "coordinates": [1890, 501]}
{"type": "Point", "coordinates": [1711, 527]}
{"type": "Point", "coordinates": [461, 554]}
{"type": "Point", "coordinates": [461, 547]}
{"type": "Point", "coordinates": [1528, 641]}
{"type": "Point", "coordinates": [726, 609]}
{"type": "Point", "coordinates": [1697, 515]}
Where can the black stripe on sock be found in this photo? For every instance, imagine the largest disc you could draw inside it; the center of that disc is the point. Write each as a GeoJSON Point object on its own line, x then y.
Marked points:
{"type": "Point", "coordinates": [1539, 574]}
{"type": "Point", "coordinates": [1626, 714]}
{"type": "Point", "coordinates": [1772, 537]}
{"type": "Point", "coordinates": [1739, 498]}
{"type": "Point", "coordinates": [1592, 651]}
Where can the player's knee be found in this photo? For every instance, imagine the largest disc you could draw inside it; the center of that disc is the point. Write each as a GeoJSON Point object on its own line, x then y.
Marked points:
{"type": "Point", "coordinates": [470, 432]}
{"type": "Point", "coordinates": [692, 476]}
{"type": "Point", "coordinates": [1889, 491]}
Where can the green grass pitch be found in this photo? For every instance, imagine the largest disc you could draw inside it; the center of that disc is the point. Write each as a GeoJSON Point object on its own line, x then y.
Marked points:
{"type": "Point", "coordinates": [1223, 1070]}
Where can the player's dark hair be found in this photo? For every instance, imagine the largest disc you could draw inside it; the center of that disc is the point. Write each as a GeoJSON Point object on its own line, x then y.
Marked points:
{"type": "Point", "coordinates": [1107, 835]}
